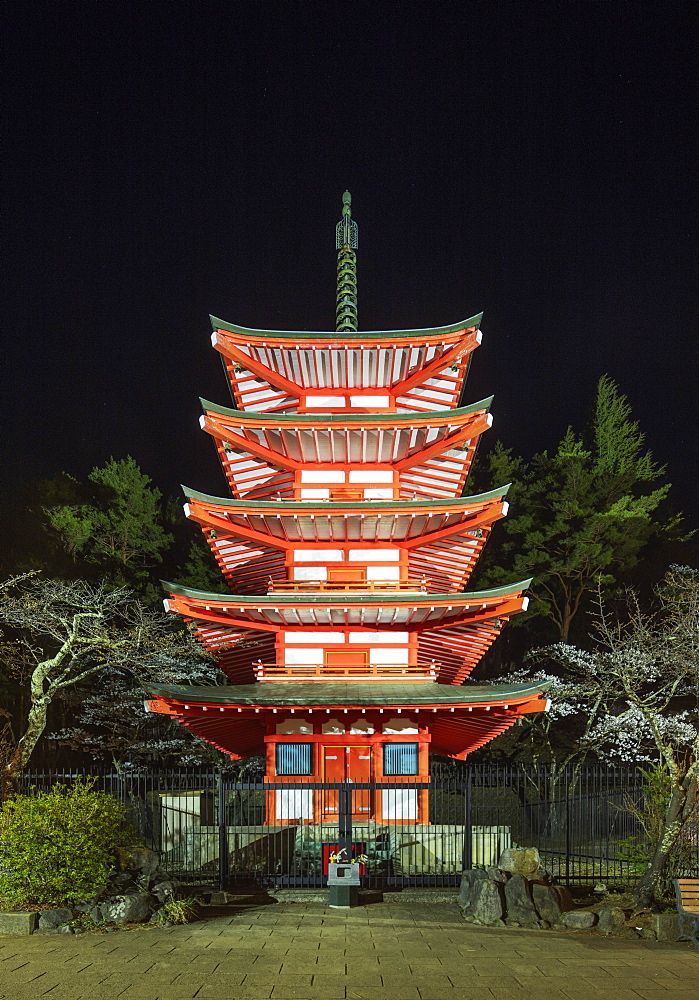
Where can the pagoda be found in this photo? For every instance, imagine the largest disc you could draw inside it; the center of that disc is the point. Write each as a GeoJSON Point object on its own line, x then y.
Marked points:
{"type": "Point", "coordinates": [347, 632]}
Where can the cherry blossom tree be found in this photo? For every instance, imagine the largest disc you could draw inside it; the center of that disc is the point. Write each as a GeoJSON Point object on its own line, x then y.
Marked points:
{"type": "Point", "coordinates": [56, 635]}
{"type": "Point", "coordinates": [639, 691]}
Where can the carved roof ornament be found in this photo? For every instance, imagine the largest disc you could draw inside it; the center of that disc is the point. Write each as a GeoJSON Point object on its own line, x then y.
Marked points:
{"type": "Point", "coordinates": [346, 242]}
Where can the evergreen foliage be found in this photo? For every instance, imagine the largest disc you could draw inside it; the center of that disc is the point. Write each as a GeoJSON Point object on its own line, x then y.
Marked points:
{"type": "Point", "coordinates": [118, 528]}
{"type": "Point", "coordinates": [580, 515]}
{"type": "Point", "coordinates": [56, 846]}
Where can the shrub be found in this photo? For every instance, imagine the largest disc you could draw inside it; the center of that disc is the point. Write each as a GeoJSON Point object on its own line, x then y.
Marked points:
{"type": "Point", "coordinates": [57, 846]}
{"type": "Point", "coordinates": [177, 911]}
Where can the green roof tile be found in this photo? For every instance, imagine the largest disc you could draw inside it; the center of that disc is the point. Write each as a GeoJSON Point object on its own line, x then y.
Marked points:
{"type": "Point", "coordinates": [348, 417]}
{"type": "Point", "coordinates": [347, 598]}
{"type": "Point", "coordinates": [333, 335]}
{"type": "Point", "coordinates": [358, 505]}
{"type": "Point", "coordinates": [329, 693]}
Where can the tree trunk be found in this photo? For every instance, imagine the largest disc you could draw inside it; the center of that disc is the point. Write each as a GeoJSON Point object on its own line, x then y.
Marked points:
{"type": "Point", "coordinates": [36, 724]}
{"type": "Point", "coordinates": [645, 893]}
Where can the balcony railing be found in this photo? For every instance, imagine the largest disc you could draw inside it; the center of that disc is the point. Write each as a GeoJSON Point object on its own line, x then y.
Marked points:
{"type": "Point", "coordinates": [358, 672]}
{"type": "Point", "coordinates": [361, 587]}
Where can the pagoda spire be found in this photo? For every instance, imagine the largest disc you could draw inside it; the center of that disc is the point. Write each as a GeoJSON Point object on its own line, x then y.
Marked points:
{"type": "Point", "coordinates": [346, 244]}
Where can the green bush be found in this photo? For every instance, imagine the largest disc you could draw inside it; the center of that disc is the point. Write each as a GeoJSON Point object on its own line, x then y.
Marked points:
{"type": "Point", "coordinates": [177, 911]}
{"type": "Point", "coordinates": [57, 846]}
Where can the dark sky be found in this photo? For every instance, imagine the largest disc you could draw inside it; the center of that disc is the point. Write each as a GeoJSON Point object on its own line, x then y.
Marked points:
{"type": "Point", "coordinates": [533, 160]}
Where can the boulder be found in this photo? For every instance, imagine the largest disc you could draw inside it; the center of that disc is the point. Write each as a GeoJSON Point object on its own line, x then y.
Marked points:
{"type": "Point", "coordinates": [122, 882]}
{"type": "Point", "coordinates": [551, 901]}
{"type": "Point", "coordinates": [137, 859]}
{"type": "Point", "coordinates": [521, 861]}
{"type": "Point", "coordinates": [519, 903]}
{"type": "Point", "coordinates": [611, 920]}
{"type": "Point", "coordinates": [487, 904]}
{"type": "Point", "coordinates": [165, 891]}
{"type": "Point", "coordinates": [134, 908]}
{"type": "Point", "coordinates": [579, 920]}
{"type": "Point", "coordinates": [468, 881]}
{"type": "Point", "coordinates": [48, 919]}
{"type": "Point", "coordinates": [496, 874]}
{"type": "Point", "coordinates": [666, 926]}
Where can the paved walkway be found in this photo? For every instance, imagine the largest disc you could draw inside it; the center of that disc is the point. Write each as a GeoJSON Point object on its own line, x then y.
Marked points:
{"type": "Point", "coordinates": [382, 952]}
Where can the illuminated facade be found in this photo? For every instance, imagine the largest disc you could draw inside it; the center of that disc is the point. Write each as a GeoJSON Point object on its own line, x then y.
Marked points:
{"type": "Point", "coordinates": [347, 543]}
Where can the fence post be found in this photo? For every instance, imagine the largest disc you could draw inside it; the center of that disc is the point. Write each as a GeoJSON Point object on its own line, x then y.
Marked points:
{"type": "Point", "coordinates": [222, 834]}
{"type": "Point", "coordinates": [345, 821]}
{"type": "Point", "coordinates": [467, 852]}
{"type": "Point", "coordinates": [567, 791]}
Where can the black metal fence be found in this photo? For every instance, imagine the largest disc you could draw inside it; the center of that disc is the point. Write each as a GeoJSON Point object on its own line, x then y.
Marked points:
{"type": "Point", "coordinates": [210, 828]}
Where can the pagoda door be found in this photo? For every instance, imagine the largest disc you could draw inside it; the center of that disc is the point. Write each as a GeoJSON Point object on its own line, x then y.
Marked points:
{"type": "Point", "coordinates": [351, 764]}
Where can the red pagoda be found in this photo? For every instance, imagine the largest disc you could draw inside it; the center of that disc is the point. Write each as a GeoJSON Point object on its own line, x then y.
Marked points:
{"type": "Point", "coordinates": [347, 544]}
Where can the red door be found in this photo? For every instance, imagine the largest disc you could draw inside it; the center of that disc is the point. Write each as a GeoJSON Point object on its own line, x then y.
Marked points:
{"type": "Point", "coordinates": [347, 764]}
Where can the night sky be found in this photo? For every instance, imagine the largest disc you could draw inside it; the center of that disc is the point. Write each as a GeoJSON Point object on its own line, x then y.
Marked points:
{"type": "Point", "coordinates": [161, 162]}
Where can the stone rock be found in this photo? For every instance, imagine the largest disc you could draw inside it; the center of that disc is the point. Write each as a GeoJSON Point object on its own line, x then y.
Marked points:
{"type": "Point", "coordinates": [550, 902]}
{"type": "Point", "coordinates": [496, 874]}
{"type": "Point", "coordinates": [579, 920]}
{"type": "Point", "coordinates": [611, 920]}
{"type": "Point", "coordinates": [165, 891]}
{"type": "Point", "coordinates": [137, 859]}
{"type": "Point", "coordinates": [666, 926]}
{"type": "Point", "coordinates": [86, 906]}
{"type": "Point", "coordinates": [96, 914]}
{"type": "Point", "coordinates": [65, 929]}
{"type": "Point", "coordinates": [521, 861]}
{"type": "Point", "coordinates": [487, 901]}
{"type": "Point", "coordinates": [54, 918]}
{"type": "Point", "coordinates": [122, 882]}
{"type": "Point", "coordinates": [18, 923]}
{"type": "Point", "coordinates": [519, 903]}
{"type": "Point", "coordinates": [468, 881]}
{"type": "Point", "coordinates": [134, 908]}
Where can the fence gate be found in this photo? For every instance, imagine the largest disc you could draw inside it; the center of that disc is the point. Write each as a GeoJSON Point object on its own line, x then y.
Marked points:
{"type": "Point", "coordinates": [282, 834]}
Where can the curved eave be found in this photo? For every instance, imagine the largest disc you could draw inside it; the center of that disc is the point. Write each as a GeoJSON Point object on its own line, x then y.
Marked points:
{"type": "Point", "coordinates": [333, 336]}
{"type": "Point", "coordinates": [251, 418]}
{"type": "Point", "coordinates": [452, 505]}
{"type": "Point", "coordinates": [396, 695]}
{"type": "Point", "coordinates": [344, 599]}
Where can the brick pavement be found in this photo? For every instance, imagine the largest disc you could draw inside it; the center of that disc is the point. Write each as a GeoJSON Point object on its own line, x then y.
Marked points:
{"type": "Point", "coordinates": [380, 952]}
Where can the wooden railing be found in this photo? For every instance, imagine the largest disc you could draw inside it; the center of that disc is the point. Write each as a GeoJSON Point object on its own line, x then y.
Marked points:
{"type": "Point", "coordinates": [366, 586]}
{"type": "Point", "coordinates": [364, 672]}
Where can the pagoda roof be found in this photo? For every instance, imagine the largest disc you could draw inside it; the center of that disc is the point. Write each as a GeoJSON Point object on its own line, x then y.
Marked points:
{"type": "Point", "coordinates": [443, 538]}
{"type": "Point", "coordinates": [338, 609]}
{"type": "Point", "coordinates": [432, 451]}
{"type": "Point", "coordinates": [412, 370]}
{"type": "Point", "coordinates": [431, 418]}
{"type": "Point", "coordinates": [233, 718]}
{"type": "Point", "coordinates": [298, 336]}
{"type": "Point", "coordinates": [448, 505]}
{"type": "Point", "coordinates": [279, 694]}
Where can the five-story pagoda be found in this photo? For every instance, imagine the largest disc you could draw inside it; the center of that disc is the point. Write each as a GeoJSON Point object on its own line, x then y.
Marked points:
{"type": "Point", "coordinates": [348, 631]}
